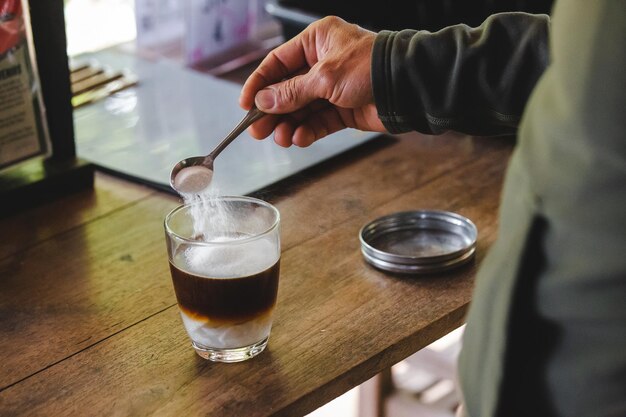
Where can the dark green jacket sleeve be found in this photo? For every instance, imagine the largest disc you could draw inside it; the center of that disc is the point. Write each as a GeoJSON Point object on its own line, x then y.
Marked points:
{"type": "Point", "coordinates": [472, 80]}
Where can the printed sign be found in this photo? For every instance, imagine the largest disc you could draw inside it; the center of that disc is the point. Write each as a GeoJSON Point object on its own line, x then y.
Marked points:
{"type": "Point", "coordinates": [22, 133]}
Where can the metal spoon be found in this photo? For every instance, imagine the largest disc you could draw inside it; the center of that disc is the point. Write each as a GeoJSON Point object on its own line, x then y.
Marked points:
{"type": "Point", "coordinates": [194, 174]}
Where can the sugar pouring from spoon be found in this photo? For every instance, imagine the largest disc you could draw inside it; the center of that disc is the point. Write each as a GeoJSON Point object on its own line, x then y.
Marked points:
{"type": "Point", "coordinates": [194, 174]}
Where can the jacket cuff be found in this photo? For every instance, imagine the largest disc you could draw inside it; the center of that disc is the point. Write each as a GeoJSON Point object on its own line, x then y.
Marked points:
{"type": "Point", "coordinates": [384, 83]}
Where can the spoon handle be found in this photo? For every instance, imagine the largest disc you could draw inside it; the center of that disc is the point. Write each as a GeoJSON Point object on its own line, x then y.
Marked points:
{"type": "Point", "coordinates": [252, 116]}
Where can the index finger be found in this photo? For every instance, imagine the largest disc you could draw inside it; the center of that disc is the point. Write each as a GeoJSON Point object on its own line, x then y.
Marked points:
{"type": "Point", "coordinates": [279, 64]}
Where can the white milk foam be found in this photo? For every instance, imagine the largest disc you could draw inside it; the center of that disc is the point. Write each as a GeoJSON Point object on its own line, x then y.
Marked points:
{"type": "Point", "coordinates": [228, 336]}
{"type": "Point", "coordinates": [235, 260]}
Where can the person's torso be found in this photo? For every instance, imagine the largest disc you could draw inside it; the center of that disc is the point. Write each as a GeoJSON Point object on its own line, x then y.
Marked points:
{"type": "Point", "coordinates": [547, 327]}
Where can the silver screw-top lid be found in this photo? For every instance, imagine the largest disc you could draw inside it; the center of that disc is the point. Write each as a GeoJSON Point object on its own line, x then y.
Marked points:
{"type": "Point", "coordinates": [414, 242]}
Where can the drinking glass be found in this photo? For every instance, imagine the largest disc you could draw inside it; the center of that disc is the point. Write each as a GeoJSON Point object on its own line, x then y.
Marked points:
{"type": "Point", "coordinates": [224, 257]}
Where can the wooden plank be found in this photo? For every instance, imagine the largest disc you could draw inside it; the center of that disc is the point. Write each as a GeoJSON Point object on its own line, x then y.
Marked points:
{"type": "Point", "coordinates": [68, 321]}
{"type": "Point", "coordinates": [36, 277]}
{"type": "Point", "coordinates": [83, 73]}
{"type": "Point", "coordinates": [33, 226]}
{"type": "Point", "coordinates": [338, 321]}
{"type": "Point", "coordinates": [103, 91]}
{"type": "Point", "coordinates": [346, 187]}
{"type": "Point", "coordinates": [95, 82]}
{"type": "Point", "coordinates": [77, 288]}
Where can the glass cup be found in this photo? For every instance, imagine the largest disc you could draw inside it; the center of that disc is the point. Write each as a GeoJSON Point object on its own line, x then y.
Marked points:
{"type": "Point", "coordinates": [224, 258]}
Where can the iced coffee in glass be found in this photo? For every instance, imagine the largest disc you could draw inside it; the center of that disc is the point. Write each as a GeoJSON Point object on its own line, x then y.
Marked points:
{"type": "Point", "coordinates": [225, 258]}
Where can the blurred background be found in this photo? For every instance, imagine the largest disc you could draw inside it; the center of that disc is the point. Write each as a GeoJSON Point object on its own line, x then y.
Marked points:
{"type": "Point", "coordinates": [223, 40]}
{"type": "Point", "coordinates": [163, 25]}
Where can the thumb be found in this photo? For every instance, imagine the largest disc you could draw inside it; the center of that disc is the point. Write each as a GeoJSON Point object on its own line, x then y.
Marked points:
{"type": "Point", "coordinates": [286, 96]}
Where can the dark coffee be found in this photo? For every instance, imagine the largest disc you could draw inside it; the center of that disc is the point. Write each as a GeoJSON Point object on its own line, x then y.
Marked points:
{"type": "Point", "coordinates": [226, 300]}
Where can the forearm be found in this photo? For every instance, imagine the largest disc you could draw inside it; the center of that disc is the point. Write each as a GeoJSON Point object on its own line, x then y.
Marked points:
{"type": "Point", "coordinates": [472, 80]}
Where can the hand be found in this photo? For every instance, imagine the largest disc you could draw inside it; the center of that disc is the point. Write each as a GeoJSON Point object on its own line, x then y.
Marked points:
{"type": "Point", "coordinates": [315, 84]}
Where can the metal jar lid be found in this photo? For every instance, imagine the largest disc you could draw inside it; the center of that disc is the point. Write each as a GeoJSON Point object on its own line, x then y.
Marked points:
{"type": "Point", "coordinates": [422, 241]}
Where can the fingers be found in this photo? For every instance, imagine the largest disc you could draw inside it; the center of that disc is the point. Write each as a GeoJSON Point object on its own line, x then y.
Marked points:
{"type": "Point", "coordinates": [283, 125]}
{"type": "Point", "coordinates": [279, 64]}
{"type": "Point", "coordinates": [303, 127]}
{"type": "Point", "coordinates": [284, 132]}
{"type": "Point", "coordinates": [318, 125]}
{"type": "Point", "coordinates": [305, 131]}
{"type": "Point", "coordinates": [289, 95]}
{"type": "Point", "coordinates": [263, 127]}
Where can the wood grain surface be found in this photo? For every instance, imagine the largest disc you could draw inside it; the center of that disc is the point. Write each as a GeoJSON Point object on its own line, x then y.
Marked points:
{"type": "Point", "coordinates": [31, 227]}
{"type": "Point", "coordinates": [89, 324]}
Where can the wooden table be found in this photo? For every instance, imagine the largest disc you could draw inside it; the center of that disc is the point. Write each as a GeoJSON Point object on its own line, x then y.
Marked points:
{"type": "Point", "coordinates": [88, 318]}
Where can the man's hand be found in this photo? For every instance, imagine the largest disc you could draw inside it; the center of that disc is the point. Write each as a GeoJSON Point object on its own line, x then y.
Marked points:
{"type": "Point", "coordinates": [315, 84]}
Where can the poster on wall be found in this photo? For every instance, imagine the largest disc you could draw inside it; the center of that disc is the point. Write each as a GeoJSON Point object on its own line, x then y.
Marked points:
{"type": "Point", "coordinates": [23, 132]}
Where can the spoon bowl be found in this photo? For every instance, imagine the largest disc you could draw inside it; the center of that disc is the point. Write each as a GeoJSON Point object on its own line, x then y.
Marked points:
{"type": "Point", "coordinates": [189, 162]}
{"type": "Point", "coordinates": [186, 178]}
